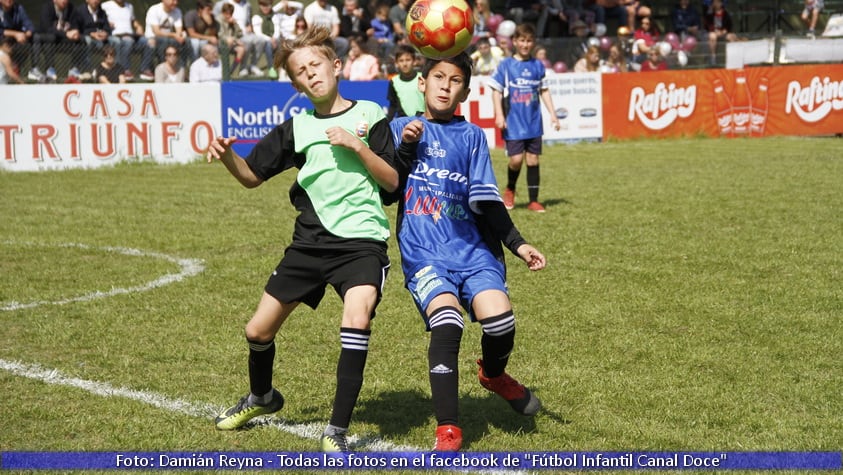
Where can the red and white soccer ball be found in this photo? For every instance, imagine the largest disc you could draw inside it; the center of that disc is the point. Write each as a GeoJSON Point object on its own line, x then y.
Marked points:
{"type": "Point", "coordinates": [440, 28]}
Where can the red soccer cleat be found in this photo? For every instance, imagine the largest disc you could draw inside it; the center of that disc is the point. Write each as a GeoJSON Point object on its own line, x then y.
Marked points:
{"type": "Point", "coordinates": [448, 438]}
{"type": "Point", "coordinates": [519, 397]}
{"type": "Point", "coordinates": [536, 206]}
{"type": "Point", "coordinates": [508, 198]}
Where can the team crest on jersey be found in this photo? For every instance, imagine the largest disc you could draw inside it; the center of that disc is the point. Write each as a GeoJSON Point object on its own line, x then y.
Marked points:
{"type": "Point", "coordinates": [362, 129]}
{"type": "Point", "coordinates": [433, 150]}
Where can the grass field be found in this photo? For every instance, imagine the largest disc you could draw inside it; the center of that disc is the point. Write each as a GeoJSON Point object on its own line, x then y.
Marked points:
{"type": "Point", "coordinates": [693, 301]}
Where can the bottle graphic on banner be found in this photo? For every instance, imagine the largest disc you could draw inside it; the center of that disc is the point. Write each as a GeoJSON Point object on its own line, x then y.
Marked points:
{"type": "Point", "coordinates": [722, 109]}
{"type": "Point", "coordinates": [741, 105]}
{"type": "Point", "coordinates": [760, 105]}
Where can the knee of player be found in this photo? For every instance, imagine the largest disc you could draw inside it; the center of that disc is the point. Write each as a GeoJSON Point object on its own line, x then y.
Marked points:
{"type": "Point", "coordinates": [257, 332]}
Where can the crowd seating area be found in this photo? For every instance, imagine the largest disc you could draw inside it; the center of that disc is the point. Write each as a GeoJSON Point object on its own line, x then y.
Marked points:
{"type": "Point", "coordinates": [751, 19]}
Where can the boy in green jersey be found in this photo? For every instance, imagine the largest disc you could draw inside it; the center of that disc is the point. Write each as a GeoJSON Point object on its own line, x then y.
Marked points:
{"type": "Point", "coordinates": [345, 157]}
{"type": "Point", "coordinates": [403, 94]}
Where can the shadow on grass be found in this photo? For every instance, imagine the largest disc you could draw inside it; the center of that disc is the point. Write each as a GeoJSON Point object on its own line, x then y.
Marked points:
{"type": "Point", "coordinates": [548, 203]}
{"type": "Point", "coordinates": [397, 412]}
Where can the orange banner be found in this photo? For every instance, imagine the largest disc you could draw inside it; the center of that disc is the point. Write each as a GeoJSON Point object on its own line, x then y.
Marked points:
{"type": "Point", "coordinates": [784, 100]}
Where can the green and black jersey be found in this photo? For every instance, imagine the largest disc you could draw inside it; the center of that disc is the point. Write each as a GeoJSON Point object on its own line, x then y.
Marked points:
{"type": "Point", "coordinates": [339, 203]}
{"type": "Point", "coordinates": [404, 96]}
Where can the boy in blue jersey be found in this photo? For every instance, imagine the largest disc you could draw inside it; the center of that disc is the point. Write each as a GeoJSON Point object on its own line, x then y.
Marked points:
{"type": "Point", "coordinates": [520, 118]}
{"type": "Point", "coordinates": [345, 157]}
{"type": "Point", "coordinates": [451, 224]}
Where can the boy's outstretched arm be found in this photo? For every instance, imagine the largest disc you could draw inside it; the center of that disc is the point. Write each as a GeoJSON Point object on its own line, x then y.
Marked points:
{"type": "Point", "coordinates": [499, 222]}
{"type": "Point", "coordinates": [381, 171]}
{"type": "Point", "coordinates": [220, 149]}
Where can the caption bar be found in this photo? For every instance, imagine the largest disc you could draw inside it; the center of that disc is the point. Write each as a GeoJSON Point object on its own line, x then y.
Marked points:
{"type": "Point", "coordinates": [421, 460]}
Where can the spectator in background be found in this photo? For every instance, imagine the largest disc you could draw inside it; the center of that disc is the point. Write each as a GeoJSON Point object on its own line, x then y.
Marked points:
{"type": "Point", "coordinates": [398, 17]}
{"type": "Point", "coordinates": [321, 13]}
{"type": "Point", "coordinates": [354, 20]}
{"type": "Point", "coordinates": [611, 8]}
{"type": "Point", "coordinates": [165, 27]}
{"type": "Point", "coordinates": [94, 27]}
{"type": "Point", "coordinates": [201, 26]}
{"type": "Point", "coordinates": [579, 45]}
{"type": "Point", "coordinates": [266, 24]}
{"type": "Point", "coordinates": [8, 70]}
{"type": "Point", "coordinates": [255, 46]}
{"type": "Point", "coordinates": [810, 15]}
{"type": "Point", "coordinates": [635, 10]}
{"type": "Point", "coordinates": [590, 61]}
{"type": "Point", "coordinates": [360, 65]}
{"type": "Point", "coordinates": [527, 11]}
{"type": "Point", "coordinates": [686, 20]}
{"type": "Point", "coordinates": [654, 61]}
{"type": "Point", "coordinates": [382, 32]}
{"type": "Point", "coordinates": [644, 39]}
{"type": "Point", "coordinates": [482, 13]}
{"type": "Point", "coordinates": [288, 12]}
{"type": "Point", "coordinates": [617, 62]}
{"type": "Point", "coordinates": [207, 68]}
{"type": "Point", "coordinates": [486, 57]}
{"type": "Point", "coordinates": [54, 32]}
{"type": "Point", "coordinates": [230, 39]}
{"type": "Point", "coordinates": [403, 94]}
{"type": "Point", "coordinates": [108, 71]}
{"type": "Point", "coordinates": [128, 34]}
{"type": "Point", "coordinates": [301, 27]}
{"type": "Point", "coordinates": [171, 70]}
{"type": "Point", "coordinates": [15, 23]}
{"type": "Point", "coordinates": [718, 24]}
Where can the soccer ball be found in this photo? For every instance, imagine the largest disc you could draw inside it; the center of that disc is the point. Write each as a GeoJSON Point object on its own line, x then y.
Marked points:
{"type": "Point", "coordinates": [440, 28]}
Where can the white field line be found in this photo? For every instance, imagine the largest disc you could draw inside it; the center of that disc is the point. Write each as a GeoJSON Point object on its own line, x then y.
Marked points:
{"type": "Point", "coordinates": [206, 411]}
{"type": "Point", "coordinates": [188, 268]}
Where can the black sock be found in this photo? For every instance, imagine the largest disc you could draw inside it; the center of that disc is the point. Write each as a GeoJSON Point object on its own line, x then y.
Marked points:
{"type": "Point", "coordinates": [352, 361]}
{"type": "Point", "coordinates": [533, 182]}
{"type": "Point", "coordinates": [512, 177]}
{"type": "Point", "coordinates": [443, 365]}
{"type": "Point", "coordinates": [261, 359]}
{"type": "Point", "coordinates": [497, 342]}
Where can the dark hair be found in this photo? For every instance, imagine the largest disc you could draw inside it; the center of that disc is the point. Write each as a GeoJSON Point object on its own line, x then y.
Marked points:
{"type": "Point", "coordinates": [200, 4]}
{"type": "Point", "coordinates": [461, 61]}
{"type": "Point", "coordinates": [402, 49]}
{"type": "Point", "coordinates": [227, 8]}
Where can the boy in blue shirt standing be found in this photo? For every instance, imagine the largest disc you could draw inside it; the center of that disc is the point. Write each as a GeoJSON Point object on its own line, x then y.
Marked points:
{"type": "Point", "coordinates": [518, 113]}
{"type": "Point", "coordinates": [451, 224]}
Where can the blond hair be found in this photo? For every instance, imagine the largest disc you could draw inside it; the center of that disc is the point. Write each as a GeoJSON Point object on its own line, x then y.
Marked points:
{"type": "Point", "coordinates": [317, 37]}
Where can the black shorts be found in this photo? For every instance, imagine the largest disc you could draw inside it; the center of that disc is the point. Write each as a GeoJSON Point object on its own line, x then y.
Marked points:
{"type": "Point", "coordinates": [302, 276]}
{"type": "Point", "coordinates": [517, 147]}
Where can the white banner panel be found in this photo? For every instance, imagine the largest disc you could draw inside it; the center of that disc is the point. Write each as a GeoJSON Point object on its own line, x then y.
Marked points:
{"type": "Point", "coordinates": [49, 127]}
{"type": "Point", "coordinates": [577, 101]}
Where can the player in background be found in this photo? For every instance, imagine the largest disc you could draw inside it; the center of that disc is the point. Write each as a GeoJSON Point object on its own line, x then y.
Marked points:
{"type": "Point", "coordinates": [345, 157]}
{"type": "Point", "coordinates": [450, 228]}
{"type": "Point", "coordinates": [517, 85]}
{"type": "Point", "coordinates": [403, 93]}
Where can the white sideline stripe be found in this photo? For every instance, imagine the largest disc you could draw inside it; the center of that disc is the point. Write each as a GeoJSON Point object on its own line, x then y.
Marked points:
{"type": "Point", "coordinates": [189, 268]}
{"type": "Point", "coordinates": [310, 431]}
{"type": "Point", "coordinates": [206, 411]}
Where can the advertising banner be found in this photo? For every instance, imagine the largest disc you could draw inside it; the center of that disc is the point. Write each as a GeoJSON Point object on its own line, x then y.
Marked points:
{"type": "Point", "coordinates": [47, 127]}
{"type": "Point", "coordinates": [785, 100]}
{"type": "Point", "coordinates": [250, 109]}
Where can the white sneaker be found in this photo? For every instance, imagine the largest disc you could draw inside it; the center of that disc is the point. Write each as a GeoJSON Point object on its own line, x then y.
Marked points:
{"type": "Point", "coordinates": [35, 75]}
{"type": "Point", "coordinates": [244, 72]}
{"type": "Point", "coordinates": [256, 71]}
{"type": "Point", "coordinates": [51, 74]}
{"type": "Point", "coordinates": [73, 73]}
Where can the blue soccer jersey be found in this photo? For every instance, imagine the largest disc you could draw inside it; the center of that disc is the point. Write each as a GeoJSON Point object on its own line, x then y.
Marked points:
{"type": "Point", "coordinates": [449, 175]}
{"type": "Point", "coordinates": [523, 80]}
